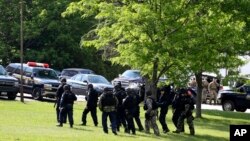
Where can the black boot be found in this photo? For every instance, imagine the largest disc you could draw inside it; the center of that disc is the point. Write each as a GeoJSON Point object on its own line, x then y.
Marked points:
{"type": "Point", "coordinates": [60, 125]}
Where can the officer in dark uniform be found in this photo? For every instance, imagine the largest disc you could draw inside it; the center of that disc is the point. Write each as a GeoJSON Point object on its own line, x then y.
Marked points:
{"type": "Point", "coordinates": [66, 105]}
{"type": "Point", "coordinates": [177, 108]}
{"type": "Point", "coordinates": [129, 104]}
{"type": "Point", "coordinates": [59, 93]}
{"type": "Point", "coordinates": [187, 104]}
{"type": "Point", "coordinates": [163, 103]}
{"type": "Point", "coordinates": [92, 99]}
{"type": "Point", "coordinates": [120, 94]}
{"type": "Point", "coordinates": [142, 92]}
{"type": "Point", "coordinates": [108, 105]}
{"type": "Point", "coordinates": [137, 112]}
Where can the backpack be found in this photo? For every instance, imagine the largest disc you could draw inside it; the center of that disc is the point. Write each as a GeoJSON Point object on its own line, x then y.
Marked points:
{"type": "Point", "coordinates": [154, 104]}
{"type": "Point", "coordinates": [109, 100]}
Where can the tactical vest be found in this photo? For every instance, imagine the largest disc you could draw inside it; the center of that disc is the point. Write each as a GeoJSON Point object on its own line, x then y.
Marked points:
{"type": "Point", "coordinates": [108, 100]}
{"type": "Point", "coordinates": [154, 104]}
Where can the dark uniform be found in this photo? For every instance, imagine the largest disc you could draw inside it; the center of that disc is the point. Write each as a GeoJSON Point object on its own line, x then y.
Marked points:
{"type": "Point", "coordinates": [120, 94]}
{"type": "Point", "coordinates": [137, 112]}
{"type": "Point", "coordinates": [129, 104]}
{"type": "Point", "coordinates": [177, 108]}
{"type": "Point", "coordinates": [59, 93]}
{"type": "Point", "coordinates": [92, 99]}
{"type": "Point", "coordinates": [108, 105]}
{"type": "Point", "coordinates": [187, 104]}
{"type": "Point", "coordinates": [66, 105]}
{"type": "Point", "coordinates": [151, 114]}
{"type": "Point", "coordinates": [163, 103]}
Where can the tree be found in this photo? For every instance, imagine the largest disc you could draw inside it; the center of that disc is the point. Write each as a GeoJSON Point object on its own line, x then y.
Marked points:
{"type": "Point", "coordinates": [49, 37]}
{"type": "Point", "coordinates": [163, 37]}
{"type": "Point", "coordinates": [137, 34]}
{"type": "Point", "coordinates": [215, 38]}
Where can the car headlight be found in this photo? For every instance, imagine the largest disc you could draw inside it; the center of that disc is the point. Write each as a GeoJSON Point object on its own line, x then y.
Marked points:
{"type": "Point", "coordinates": [37, 82]}
{"type": "Point", "coordinates": [16, 84]}
{"type": "Point", "coordinates": [48, 86]}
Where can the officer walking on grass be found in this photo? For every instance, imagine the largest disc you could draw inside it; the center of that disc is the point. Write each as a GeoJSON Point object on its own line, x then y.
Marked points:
{"type": "Point", "coordinates": [187, 104]}
{"type": "Point", "coordinates": [129, 105]}
{"type": "Point", "coordinates": [163, 103]}
{"type": "Point", "coordinates": [92, 99]}
{"type": "Point", "coordinates": [120, 94]}
{"type": "Point", "coordinates": [177, 107]}
{"type": "Point", "coordinates": [59, 93]}
{"type": "Point", "coordinates": [108, 105]}
{"type": "Point", "coordinates": [151, 114]}
{"type": "Point", "coordinates": [66, 105]}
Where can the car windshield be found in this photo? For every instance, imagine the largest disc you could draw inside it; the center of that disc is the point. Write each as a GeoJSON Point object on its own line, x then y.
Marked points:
{"type": "Point", "coordinates": [131, 74]}
{"type": "Point", "coordinates": [2, 70]}
{"type": "Point", "coordinates": [46, 73]}
{"type": "Point", "coordinates": [97, 79]}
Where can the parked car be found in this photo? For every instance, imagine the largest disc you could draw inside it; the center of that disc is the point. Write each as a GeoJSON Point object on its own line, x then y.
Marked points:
{"type": "Point", "coordinates": [38, 79]}
{"type": "Point", "coordinates": [128, 77]}
{"type": "Point", "coordinates": [8, 85]}
{"type": "Point", "coordinates": [80, 82]}
{"type": "Point", "coordinates": [69, 72]}
{"type": "Point", "coordinates": [237, 99]}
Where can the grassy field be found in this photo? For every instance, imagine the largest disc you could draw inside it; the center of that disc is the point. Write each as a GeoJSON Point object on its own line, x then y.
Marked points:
{"type": "Point", "coordinates": [35, 121]}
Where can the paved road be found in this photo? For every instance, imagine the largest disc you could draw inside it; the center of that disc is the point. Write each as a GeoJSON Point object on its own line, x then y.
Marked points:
{"type": "Point", "coordinates": [82, 98]}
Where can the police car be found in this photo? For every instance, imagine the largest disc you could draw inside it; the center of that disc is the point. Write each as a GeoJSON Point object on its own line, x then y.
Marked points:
{"type": "Point", "coordinates": [8, 85]}
{"type": "Point", "coordinates": [38, 79]}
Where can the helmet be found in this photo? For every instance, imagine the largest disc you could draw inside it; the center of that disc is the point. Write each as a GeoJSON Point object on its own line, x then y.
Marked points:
{"type": "Point", "coordinates": [90, 86]}
{"type": "Point", "coordinates": [66, 87]}
{"type": "Point", "coordinates": [130, 91]}
{"type": "Point", "coordinates": [63, 80]}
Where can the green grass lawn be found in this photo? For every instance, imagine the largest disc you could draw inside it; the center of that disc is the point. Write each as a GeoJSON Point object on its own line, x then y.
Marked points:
{"type": "Point", "coordinates": [36, 121]}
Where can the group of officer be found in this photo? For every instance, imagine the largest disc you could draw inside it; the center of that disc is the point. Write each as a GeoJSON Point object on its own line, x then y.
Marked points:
{"type": "Point", "coordinates": [64, 104]}
{"type": "Point", "coordinates": [122, 108]}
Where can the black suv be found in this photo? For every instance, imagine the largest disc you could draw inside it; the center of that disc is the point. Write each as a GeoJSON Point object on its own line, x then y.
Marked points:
{"type": "Point", "coordinates": [129, 77]}
{"type": "Point", "coordinates": [38, 80]}
{"type": "Point", "coordinates": [8, 85]}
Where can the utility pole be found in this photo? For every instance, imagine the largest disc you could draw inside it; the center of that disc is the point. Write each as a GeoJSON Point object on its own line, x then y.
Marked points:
{"type": "Point", "coordinates": [21, 49]}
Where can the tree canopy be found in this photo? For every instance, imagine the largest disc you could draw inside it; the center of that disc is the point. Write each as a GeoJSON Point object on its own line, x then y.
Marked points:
{"type": "Point", "coordinates": [165, 37]}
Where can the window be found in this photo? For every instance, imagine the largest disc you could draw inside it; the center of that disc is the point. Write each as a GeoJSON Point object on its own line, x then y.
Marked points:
{"type": "Point", "coordinates": [27, 71]}
{"type": "Point", "coordinates": [69, 73]}
{"type": "Point", "coordinates": [18, 70]}
{"type": "Point", "coordinates": [10, 68]}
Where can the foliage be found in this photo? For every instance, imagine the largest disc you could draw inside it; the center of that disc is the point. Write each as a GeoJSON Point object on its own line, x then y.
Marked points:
{"type": "Point", "coordinates": [166, 37]}
{"type": "Point", "coordinates": [49, 37]}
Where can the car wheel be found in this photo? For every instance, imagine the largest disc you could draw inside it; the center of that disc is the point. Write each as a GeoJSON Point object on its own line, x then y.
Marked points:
{"type": "Point", "coordinates": [228, 105]}
{"type": "Point", "coordinates": [11, 96]}
{"type": "Point", "coordinates": [37, 94]}
{"type": "Point", "coordinates": [241, 109]}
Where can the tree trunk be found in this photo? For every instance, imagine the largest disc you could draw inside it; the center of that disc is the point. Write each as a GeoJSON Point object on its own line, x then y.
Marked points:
{"type": "Point", "coordinates": [154, 78]}
{"type": "Point", "coordinates": [199, 94]}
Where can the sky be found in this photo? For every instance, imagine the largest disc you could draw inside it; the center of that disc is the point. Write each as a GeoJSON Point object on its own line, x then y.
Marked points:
{"type": "Point", "coordinates": [245, 69]}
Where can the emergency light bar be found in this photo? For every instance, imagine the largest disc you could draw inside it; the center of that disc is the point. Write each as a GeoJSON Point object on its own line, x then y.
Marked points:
{"type": "Point", "coordinates": [35, 64]}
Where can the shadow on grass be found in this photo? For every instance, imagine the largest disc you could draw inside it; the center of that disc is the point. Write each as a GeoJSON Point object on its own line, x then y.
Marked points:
{"type": "Point", "coordinates": [82, 129]}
